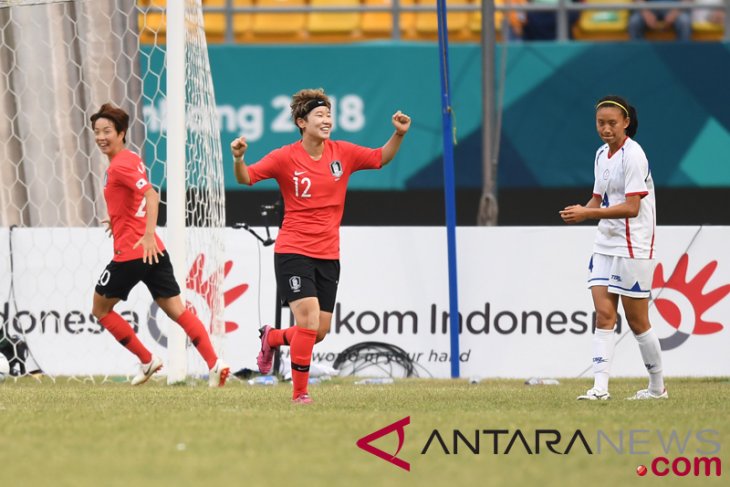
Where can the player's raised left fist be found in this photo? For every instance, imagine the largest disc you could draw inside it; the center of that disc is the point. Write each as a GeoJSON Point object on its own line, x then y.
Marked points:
{"type": "Point", "coordinates": [401, 122]}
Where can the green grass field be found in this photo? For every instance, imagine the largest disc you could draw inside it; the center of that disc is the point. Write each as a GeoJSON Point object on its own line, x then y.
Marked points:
{"type": "Point", "coordinates": [79, 433]}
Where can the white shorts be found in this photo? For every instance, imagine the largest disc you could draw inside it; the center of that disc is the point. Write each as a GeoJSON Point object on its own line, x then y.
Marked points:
{"type": "Point", "coordinates": [622, 275]}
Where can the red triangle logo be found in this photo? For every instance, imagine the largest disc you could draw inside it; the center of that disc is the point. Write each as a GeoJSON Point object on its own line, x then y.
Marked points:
{"type": "Point", "coordinates": [399, 426]}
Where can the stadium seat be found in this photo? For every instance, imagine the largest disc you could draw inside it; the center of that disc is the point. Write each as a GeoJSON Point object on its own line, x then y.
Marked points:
{"type": "Point", "coordinates": [514, 18]}
{"type": "Point", "coordinates": [242, 23]}
{"type": "Point", "coordinates": [603, 25]}
{"type": "Point", "coordinates": [334, 26]}
{"type": "Point", "coordinates": [426, 23]}
{"type": "Point", "coordinates": [707, 23]}
{"type": "Point", "coordinates": [660, 35]}
{"type": "Point", "coordinates": [152, 25]}
{"type": "Point", "coordinates": [380, 24]}
{"type": "Point", "coordinates": [706, 31]}
{"type": "Point", "coordinates": [283, 27]}
{"type": "Point", "coordinates": [215, 23]}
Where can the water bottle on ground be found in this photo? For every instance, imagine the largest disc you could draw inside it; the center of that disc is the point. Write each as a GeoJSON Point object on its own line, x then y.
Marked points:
{"type": "Point", "coordinates": [535, 381]}
{"type": "Point", "coordinates": [374, 381]}
{"type": "Point", "coordinates": [263, 380]}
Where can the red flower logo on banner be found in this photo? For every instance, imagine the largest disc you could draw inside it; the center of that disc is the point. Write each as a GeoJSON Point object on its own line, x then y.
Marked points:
{"type": "Point", "coordinates": [206, 288]}
{"type": "Point", "coordinates": [684, 322]}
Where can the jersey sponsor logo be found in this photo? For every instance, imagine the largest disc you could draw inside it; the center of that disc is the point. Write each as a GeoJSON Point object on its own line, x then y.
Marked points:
{"type": "Point", "coordinates": [295, 283]}
{"type": "Point", "coordinates": [141, 183]}
{"type": "Point", "coordinates": [299, 173]}
{"type": "Point", "coordinates": [336, 168]}
{"type": "Point", "coordinates": [606, 174]}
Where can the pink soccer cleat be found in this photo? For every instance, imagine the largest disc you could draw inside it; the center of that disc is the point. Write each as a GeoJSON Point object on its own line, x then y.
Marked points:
{"type": "Point", "coordinates": [302, 399]}
{"type": "Point", "coordinates": [265, 358]}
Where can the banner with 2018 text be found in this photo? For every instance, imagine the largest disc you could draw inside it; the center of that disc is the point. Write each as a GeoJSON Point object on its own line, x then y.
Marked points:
{"type": "Point", "coordinates": [525, 308]}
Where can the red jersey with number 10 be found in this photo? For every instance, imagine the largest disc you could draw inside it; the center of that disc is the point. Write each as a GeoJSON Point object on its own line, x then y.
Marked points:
{"type": "Point", "coordinates": [314, 193]}
{"type": "Point", "coordinates": [124, 187]}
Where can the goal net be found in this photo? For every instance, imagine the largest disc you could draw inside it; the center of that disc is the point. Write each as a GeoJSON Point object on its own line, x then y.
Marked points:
{"type": "Point", "coordinates": [59, 62]}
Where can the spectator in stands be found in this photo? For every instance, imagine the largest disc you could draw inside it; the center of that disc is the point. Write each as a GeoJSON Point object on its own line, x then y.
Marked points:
{"type": "Point", "coordinates": [714, 16]}
{"type": "Point", "coordinates": [543, 25]}
{"type": "Point", "coordinates": [511, 23]}
{"type": "Point", "coordinates": [658, 20]}
{"type": "Point", "coordinates": [622, 264]}
{"type": "Point", "coordinates": [312, 174]}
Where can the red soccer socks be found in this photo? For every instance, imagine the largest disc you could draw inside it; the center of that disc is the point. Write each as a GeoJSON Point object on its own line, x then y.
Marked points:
{"type": "Point", "coordinates": [198, 336]}
{"type": "Point", "coordinates": [124, 333]}
{"type": "Point", "coordinates": [302, 344]}
{"type": "Point", "coordinates": [278, 338]}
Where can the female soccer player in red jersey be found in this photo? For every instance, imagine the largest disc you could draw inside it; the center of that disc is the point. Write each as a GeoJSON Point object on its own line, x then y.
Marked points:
{"type": "Point", "coordinates": [312, 174]}
{"type": "Point", "coordinates": [623, 253]}
{"type": "Point", "coordinates": [139, 254]}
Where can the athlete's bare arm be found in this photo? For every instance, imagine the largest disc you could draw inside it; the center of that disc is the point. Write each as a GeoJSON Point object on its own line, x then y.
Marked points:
{"type": "Point", "coordinates": [240, 170]}
{"type": "Point", "coordinates": [402, 123]}
{"type": "Point", "coordinates": [594, 202]}
{"type": "Point", "coordinates": [148, 240]}
{"type": "Point", "coordinates": [592, 210]}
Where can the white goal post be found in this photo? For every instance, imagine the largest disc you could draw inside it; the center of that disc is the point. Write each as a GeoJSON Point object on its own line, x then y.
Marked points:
{"type": "Point", "coordinates": [60, 60]}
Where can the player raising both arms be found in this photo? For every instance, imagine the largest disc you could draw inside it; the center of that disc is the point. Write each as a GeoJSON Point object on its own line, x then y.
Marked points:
{"type": "Point", "coordinates": [139, 254]}
{"type": "Point", "coordinates": [623, 253]}
{"type": "Point", "coordinates": [312, 174]}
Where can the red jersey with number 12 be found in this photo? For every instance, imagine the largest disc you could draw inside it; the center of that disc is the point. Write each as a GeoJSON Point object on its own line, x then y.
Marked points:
{"type": "Point", "coordinates": [124, 187]}
{"type": "Point", "coordinates": [314, 193]}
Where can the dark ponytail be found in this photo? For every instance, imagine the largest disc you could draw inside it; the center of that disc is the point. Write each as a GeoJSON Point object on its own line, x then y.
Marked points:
{"type": "Point", "coordinates": [627, 110]}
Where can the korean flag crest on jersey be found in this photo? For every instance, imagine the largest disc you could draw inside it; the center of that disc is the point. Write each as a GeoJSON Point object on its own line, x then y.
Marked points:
{"type": "Point", "coordinates": [336, 168]}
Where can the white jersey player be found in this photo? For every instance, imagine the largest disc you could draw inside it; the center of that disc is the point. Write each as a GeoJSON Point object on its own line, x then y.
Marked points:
{"type": "Point", "coordinates": [622, 263]}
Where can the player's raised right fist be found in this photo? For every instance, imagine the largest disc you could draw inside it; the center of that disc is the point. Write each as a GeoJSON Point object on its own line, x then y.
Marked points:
{"type": "Point", "coordinates": [238, 147]}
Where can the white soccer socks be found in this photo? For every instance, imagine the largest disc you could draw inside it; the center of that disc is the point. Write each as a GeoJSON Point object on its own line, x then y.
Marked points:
{"type": "Point", "coordinates": [603, 344]}
{"type": "Point", "coordinates": [651, 352]}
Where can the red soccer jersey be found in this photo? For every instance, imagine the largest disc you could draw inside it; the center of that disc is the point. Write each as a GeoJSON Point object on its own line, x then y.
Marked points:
{"type": "Point", "coordinates": [314, 193]}
{"type": "Point", "coordinates": [124, 187]}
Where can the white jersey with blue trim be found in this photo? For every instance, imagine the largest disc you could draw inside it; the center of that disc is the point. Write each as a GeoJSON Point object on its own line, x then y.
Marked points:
{"type": "Point", "coordinates": [623, 174]}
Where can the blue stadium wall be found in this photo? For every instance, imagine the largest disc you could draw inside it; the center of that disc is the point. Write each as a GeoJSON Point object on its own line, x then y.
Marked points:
{"type": "Point", "coordinates": [548, 137]}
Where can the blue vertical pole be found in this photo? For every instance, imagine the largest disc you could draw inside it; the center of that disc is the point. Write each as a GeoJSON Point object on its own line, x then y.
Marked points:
{"type": "Point", "coordinates": [449, 194]}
